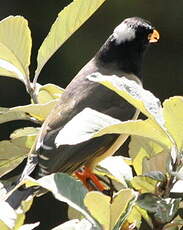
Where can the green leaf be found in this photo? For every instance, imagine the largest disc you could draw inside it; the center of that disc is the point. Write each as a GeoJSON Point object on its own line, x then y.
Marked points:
{"type": "Point", "coordinates": [3, 226]}
{"type": "Point", "coordinates": [9, 65]}
{"type": "Point", "coordinates": [38, 111]}
{"type": "Point", "coordinates": [144, 184]}
{"type": "Point", "coordinates": [135, 94]}
{"type": "Point", "coordinates": [108, 214]}
{"type": "Point", "coordinates": [144, 215]}
{"type": "Point", "coordinates": [14, 151]}
{"type": "Point", "coordinates": [156, 175]}
{"type": "Point", "coordinates": [27, 131]}
{"type": "Point", "coordinates": [67, 22]}
{"type": "Point", "coordinates": [7, 222]}
{"type": "Point", "coordinates": [48, 93]}
{"type": "Point", "coordinates": [29, 226]}
{"type": "Point", "coordinates": [148, 202]}
{"type": "Point", "coordinates": [66, 189]}
{"type": "Point", "coordinates": [148, 156]}
{"type": "Point", "coordinates": [90, 123]}
{"type": "Point", "coordinates": [11, 219]}
{"type": "Point", "coordinates": [25, 206]}
{"type": "Point", "coordinates": [178, 187]}
{"type": "Point", "coordinates": [173, 114]}
{"type": "Point", "coordinates": [7, 115]}
{"type": "Point", "coordinates": [135, 217]}
{"type": "Point", "coordinates": [166, 210]}
{"type": "Point", "coordinates": [118, 168]}
{"type": "Point", "coordinates": [76, 225]}
{"type": "Point", "coordinates": [15, 46]}
{"type": "Point", "coordinates": [83, 127]}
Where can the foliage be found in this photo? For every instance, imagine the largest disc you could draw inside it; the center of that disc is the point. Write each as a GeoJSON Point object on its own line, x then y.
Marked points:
{"type": "Point", "coordinates": [146, 186]}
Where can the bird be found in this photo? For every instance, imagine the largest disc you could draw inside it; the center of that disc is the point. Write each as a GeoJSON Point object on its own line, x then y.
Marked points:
{"type": "Point", "coordinates": [122, 54]}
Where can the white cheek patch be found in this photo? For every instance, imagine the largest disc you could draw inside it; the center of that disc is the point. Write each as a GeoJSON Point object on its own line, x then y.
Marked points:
{"type": "Point", "coordinates": [123, 33]}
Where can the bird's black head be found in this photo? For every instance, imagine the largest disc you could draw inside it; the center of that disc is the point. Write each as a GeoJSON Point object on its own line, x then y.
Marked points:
{"type": "Point", "coordinates": [125, 48]}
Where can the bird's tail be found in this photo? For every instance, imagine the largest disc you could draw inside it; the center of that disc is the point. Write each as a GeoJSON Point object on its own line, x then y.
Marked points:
{"type": "Point", "coordinates": [22, 193]}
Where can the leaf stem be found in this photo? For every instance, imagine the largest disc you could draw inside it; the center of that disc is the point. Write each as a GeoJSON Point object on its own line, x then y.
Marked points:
{"type": "Point", "coordinates": [31, 89]}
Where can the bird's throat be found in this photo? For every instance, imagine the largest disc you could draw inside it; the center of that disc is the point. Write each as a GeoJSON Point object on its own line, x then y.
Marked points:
{"type": "Point", "coordinates": [126, 58]}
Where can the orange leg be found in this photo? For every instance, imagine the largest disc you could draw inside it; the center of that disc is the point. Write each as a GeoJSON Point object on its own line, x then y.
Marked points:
{"type": "Point", "coordinates": [89, 179]}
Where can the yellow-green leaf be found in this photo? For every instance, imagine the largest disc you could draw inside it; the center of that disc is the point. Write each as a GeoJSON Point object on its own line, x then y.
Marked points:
{"type": "Point", "coordinates": [94, 124]}
{"type": "Point", "coordinates": [7, 216]}
{"type": "Point", "coordinates": [173, 114]}
{"type": "Point", "coordinates": [7, 115]}
{"type": "Point", "coordinates": [48, 93]}
{"type": "Point", "coordinates": [11, 219]}
{"type": "Point", "coordinates": [38, 111]}
{"type": "Point", "coordinates": [116, 166]}
{"type": "Point", "coordinates": [158, 162]}
{"type": "Point", "coordinates": [107, 213]}
{"type": "Point", "coordinates": [13, 152]}
{"type": "Point", "coordinates": [15, 44]}
{"type": "Point", "coordinates": [144, 184]}
{"type": "Point", "coordinates": [102, 211]}
{"type": "Point", "coordinates": [28, 226]}
{"type": "Point", "coordinates": [3, 226]}
{"type": "Point", "coordinates": [64, 188]}
{"type": "Point", "coordinates": [67, 22]}
{"type": "Point", "coordinates": [25, 206]}
{"type": "Point", "coordinates": [145, 152]}
{"type": "Point", "coordinates": [9, 65]}
{"type": "Point", "coordinates": [143, 128]}
{"type": "Point", "coordinates": [144, 215]}
{"type": "Point", "coordinates": [27, 131]}
{"type": "Point", "coordinates": [134, 93]}
{"type": "Point", "coordinates": [134, 217]}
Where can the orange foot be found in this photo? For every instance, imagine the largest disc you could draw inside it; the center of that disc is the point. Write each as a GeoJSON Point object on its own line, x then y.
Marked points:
{"type": "Point", "coordinates": [89, 179]}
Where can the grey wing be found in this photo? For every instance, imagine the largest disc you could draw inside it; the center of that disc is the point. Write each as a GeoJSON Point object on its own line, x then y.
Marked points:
{"type": "Point", "coordinates": [81, 93]}
{"type": "Point", "coordinates": [68, 158]}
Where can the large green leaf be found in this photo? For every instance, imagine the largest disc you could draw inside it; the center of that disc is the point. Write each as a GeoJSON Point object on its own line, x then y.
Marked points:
{"type": "Point", "coordinates": [110, 213]}
{"type": "Point", "coordinates": [11, 219]}
{"type": "Point", "coordinates": [66, 189]}
{"type": "Point", "coordinates": [76, 225]}
{"type": "Point", "coordinates": [67, 22]}
{"type": "Point", "coordinates": [9, 65]}
{"type": "Point", "coordinates": [173, 114]}
{"type": "Point", "coordinates": [29, 226]}
{"type": "Point", "coordinates": [27, 131]}
{"type": "Point", "coordinates": [14, 151]}
{"type": "Point", "coordinates": [144, 184]}
{"type": "Point", "coordinates": [7, 115]}
{"type": "Point", "coordinates": [38, 111]}
{"type": "Point", "coordinates": [21, 211]}
{"type": "Point", "coordinates": [164, 209]}
{"type": "Point", "coordinates": [90, 123]}
{"type": "Point", "coordinates": [134, 93]}
{"type": "Point", "coordinates": [135, 217]}
{"type": "Point", "coordinates": [148, 155]}
{"type": "Point", "coordinates": [7, 216]}
{"type": "Point", "coordinates": [15, 47]}
{"type": "Point", "coordinates": [48, 93]}
{"type": "Point", "coordinates": [118, 168]}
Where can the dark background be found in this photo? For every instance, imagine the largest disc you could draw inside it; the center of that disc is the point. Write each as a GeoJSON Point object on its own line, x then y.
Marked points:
{"type": "Point", "coordinates": [163, 67]}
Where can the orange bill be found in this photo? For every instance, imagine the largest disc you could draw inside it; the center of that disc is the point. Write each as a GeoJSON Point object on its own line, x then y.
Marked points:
{"type": "Point", "coordinates": [154, 36]}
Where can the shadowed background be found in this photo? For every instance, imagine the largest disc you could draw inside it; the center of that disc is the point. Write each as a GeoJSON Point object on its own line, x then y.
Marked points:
{"type": "Point", "coordinates": [163, 68]}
